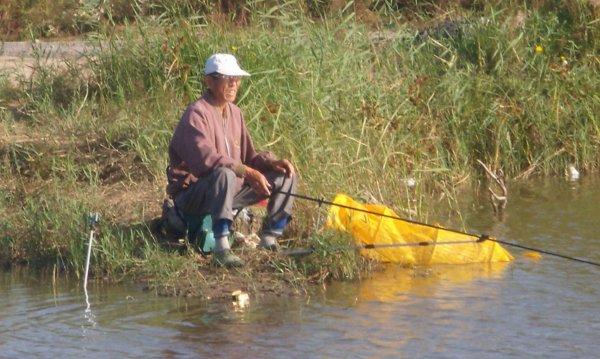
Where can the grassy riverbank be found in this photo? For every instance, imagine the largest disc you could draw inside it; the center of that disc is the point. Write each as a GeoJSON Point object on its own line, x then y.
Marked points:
{"type": "Point", "coordinates": [359, 106]}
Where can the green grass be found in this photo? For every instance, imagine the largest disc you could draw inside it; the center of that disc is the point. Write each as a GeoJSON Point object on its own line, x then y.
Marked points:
{"type": "Point", "coordinates": [354, 114]}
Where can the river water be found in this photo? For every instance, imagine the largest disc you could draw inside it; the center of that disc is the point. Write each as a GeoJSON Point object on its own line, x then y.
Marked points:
{"type": "Point", "coordinates": [527, 308]}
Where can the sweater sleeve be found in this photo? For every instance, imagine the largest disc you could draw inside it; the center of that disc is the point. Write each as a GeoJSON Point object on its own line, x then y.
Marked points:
{"type": "Point", "coordinates": [195, 146]}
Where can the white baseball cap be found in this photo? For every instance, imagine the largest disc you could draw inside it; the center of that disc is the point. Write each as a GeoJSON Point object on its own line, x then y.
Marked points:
{"type": "Point", "coordinates": [225, 64]}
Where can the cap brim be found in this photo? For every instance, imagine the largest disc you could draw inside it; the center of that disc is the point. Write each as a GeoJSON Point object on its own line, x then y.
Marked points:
{"type": "Point", "coordinates": [239, 72]}
{"type": "Point", "coordinates": [234, 72]}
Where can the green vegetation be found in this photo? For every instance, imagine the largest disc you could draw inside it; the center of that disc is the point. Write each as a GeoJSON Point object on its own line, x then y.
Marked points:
{"type": "Point", "coordinates": [358, 105]}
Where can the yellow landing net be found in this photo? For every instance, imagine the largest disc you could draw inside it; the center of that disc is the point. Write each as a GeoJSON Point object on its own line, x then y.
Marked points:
{"type": "Point", "coordinates": [369, 228]}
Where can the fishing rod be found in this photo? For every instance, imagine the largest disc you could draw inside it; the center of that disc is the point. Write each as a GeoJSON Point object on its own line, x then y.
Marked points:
{"type": "Point", "coordinates": [306, 251]}
{"type": "Point", "coordinates": [93, 221]}
{"type": "Point", "coordinates": [322, 201]}
{"type": "Point", "coordinates": [480, 238]}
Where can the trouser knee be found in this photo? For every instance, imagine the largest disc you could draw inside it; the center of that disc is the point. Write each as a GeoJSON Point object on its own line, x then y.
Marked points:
{"type": "Point", "coordinates": [223, 177]}
{"type": "Point", "coordinates": [282, 181]}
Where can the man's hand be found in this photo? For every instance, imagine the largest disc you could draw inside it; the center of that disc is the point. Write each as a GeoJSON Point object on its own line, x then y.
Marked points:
{"type": "Point", "coordinates": [284, 166]}
{"type": "Point", "coordinates": [258, 182]}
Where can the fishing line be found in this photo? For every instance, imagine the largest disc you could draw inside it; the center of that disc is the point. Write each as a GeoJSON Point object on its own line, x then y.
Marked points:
{"type": "Point", "coordinates": [321, 201]}
{"type": "Point", "coordinates": [480, 238]}
{"type": "Point", "coordinates": [543, 251]}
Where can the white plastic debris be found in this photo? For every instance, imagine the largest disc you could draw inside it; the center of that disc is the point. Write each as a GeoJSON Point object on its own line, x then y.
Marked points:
{"type": "Point", "coordinates": [240, 299]}
{"type": "Point", "coordinates": [243, 240]}
{"type": "Point", "coordinates": [572, 173]}
{"type": "Point", "coordinates": [243, 214]}
{"type": "Point", "coordinates": [410, 182]}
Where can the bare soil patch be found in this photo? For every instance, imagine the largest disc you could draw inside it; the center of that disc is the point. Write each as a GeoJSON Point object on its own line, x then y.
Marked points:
{"type": "Point", "coordinates": [18, 60]}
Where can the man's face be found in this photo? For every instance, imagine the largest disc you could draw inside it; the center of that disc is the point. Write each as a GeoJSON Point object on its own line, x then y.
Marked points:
{"type": "Point", "coordinates": [224, 88]}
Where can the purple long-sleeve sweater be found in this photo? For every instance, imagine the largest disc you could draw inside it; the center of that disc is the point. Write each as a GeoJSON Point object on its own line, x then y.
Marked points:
{"type": "Point", "coordinates": [205, 139]}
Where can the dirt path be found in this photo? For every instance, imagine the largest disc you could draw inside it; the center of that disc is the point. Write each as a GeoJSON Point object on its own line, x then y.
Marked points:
{"type": "Point", "coordinates": [18, 59]}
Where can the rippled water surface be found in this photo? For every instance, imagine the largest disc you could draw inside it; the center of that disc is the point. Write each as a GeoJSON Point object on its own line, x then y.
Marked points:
{"type": "Point", "coordinates": [545, 308]}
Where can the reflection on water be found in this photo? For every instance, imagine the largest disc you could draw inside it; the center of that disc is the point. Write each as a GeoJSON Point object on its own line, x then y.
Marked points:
{"type": "Point", "coordinates": [546, 308]}
{"type": "Point", "coordinates": [396, 284]}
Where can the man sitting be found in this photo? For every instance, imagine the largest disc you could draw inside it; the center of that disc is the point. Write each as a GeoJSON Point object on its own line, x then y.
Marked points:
{"type": "Point", "coordinates": [214, 169]}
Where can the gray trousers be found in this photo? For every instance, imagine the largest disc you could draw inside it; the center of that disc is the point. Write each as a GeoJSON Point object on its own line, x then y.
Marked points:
{"type": "Point", "coordinates": [215, 195]}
